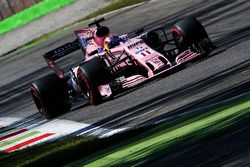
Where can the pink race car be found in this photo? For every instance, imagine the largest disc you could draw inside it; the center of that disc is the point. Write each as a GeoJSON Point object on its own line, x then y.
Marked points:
{"type": "Point", "coordinates": [115, 63]}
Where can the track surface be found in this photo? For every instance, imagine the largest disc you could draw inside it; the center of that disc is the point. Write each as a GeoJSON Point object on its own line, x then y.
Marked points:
{"type": "Point", "coordinates": [227, 22]}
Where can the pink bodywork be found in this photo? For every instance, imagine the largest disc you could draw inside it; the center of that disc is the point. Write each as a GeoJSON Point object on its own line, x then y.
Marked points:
{"type": "Point", "coordinates": [154, 62]}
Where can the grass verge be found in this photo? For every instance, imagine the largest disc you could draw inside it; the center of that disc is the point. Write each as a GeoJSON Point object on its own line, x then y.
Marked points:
{"type": "Point", "coordinates": [140, 144]}
{"type": "Point", "coordinates": [30, 14]}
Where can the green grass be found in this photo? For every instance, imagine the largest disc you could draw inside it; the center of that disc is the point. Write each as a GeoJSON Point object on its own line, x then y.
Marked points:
{"type": "Point", "coordinates": [140, 144]}
{"type": "Point", "coordinates": [30, 14]}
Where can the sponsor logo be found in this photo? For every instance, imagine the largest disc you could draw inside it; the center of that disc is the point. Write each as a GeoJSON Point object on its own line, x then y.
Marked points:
{"type": "Point", "coordinates": [85, 42]}
{"type": "Point", "coordinates": [135, 44]}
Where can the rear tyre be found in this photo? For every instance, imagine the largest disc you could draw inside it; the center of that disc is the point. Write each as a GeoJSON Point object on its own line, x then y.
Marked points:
{"type": "Point", "coordinates": [189, 32]}
{"type": "Point", "coordinates": [90, 75]}
{"type": "Point", "coordinates": [50, 96]}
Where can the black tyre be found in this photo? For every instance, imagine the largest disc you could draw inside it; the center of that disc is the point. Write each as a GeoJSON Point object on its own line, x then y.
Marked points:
{"type": "Point", "coordinates": [188, 32]}
{"type": "Point", "coordinates": [90, 75]}
{"type": "Point", "coordinates": [50, 95]}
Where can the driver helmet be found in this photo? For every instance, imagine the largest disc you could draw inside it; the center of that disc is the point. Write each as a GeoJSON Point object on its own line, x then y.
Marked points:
{"type": "Point", "coordinates": [102, 31]}
{"type": "Point", "coordinates": [100, 34]}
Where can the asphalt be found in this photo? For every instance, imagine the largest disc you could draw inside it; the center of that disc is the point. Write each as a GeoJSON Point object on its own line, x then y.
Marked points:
{"type": "Point", "coordinates": [227, 23]}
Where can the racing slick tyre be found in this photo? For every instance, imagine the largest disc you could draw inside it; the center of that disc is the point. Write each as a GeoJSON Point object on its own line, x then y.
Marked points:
{"type": "Point", "coordinates": [189, 32]}
{"type": "Point", "coordinates": [50, 96]}
{"type": "Point", "coordinates": [90, 75]}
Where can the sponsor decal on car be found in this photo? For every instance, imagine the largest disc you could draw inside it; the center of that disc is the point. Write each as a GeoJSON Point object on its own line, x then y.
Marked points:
{"type": "Point", "coordinates": [131, 46]}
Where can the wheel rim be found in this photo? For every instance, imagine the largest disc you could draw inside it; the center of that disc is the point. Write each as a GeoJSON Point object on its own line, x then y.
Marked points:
{"type": "Point", "coordinates": [86, 92]}
{"type": "Point", "coordinates": [38, 101]}
{"type": "Point", "coordinates": [84, 85]}
{"type": "Point", "coordinates": [178, 39]}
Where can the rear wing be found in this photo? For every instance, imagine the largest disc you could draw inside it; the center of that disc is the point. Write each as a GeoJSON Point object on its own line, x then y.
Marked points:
{"type": "Point", "coordinates": [62, 51]}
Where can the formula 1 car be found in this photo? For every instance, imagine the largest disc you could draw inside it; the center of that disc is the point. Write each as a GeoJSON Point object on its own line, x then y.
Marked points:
{"type": "Point", "coordinates": [115, 63]}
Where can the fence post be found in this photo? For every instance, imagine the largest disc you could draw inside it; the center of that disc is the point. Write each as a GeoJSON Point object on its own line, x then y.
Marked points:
{"type": "Point", "coordinates": [10, 7]}
{"type": "Point", "coordinates": [4, 8]}
{"type": "Point", "coordinates": [1, 15]}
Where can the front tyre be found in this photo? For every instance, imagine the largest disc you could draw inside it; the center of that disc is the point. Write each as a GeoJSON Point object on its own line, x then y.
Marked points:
{"type": "Point", "coordinates": [189, 33]}
{"type": "Point", "coordinates": [50, 96]}
{"type": "Point", "coordinates": [90, 75]}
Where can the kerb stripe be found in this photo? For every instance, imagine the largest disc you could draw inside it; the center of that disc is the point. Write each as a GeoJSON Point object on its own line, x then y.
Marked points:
{"type": "Point", "coordinates": [20, 145]}
{"type": "Point", "coordinates": [13, 134]}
